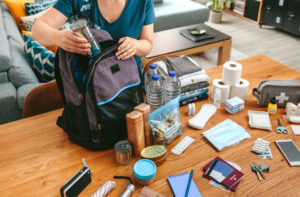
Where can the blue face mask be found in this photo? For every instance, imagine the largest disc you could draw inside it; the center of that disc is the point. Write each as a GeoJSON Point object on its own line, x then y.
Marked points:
{"type": "Point", "coordinates": [225, 134]}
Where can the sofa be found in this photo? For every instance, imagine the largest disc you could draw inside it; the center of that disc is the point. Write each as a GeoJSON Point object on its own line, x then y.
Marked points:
{"type": "Point", "coordinates": [17, 78]}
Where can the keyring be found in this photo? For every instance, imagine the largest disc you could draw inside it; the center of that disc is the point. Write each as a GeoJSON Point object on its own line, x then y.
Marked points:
{"type": "Point", "coordinates": [253, 161]}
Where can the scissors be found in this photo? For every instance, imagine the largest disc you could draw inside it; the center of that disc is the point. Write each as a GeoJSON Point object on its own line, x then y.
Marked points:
{"type": "Point", "coordinates": [280, 128]}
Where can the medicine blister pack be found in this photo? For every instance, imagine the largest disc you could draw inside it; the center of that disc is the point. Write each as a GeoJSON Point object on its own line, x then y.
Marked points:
{"type": "Point", "coordinates": [182, 145]}
{"type": "Point", "coordinates": [260, 146]}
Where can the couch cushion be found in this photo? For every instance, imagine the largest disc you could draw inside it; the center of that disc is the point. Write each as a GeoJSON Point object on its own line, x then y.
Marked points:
{"type": "Point", "coordinates": [23, 91]}
{"type": "Point", "coordinates": [11, 28]}
{"type": "Point", "coordinates": [9, 110]}
{"type": "Point", "coordinates": [29, 20]}
{"type": "Point", "coordinates": [178, 13]}
{"type": "Point", "coordinates": [41, 59]}
{"type": "Point", "coordinates": [17, 10]}
{"type": "Point", "coordinates": [3, 77]}
{"type": "Point", "coordinates": [36, 7]}
{"type": "Point", "coordinates": [4, 49]}
{"type": "Point", "coordinates": [20, 72]}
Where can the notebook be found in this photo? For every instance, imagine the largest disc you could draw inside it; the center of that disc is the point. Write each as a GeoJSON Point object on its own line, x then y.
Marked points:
{"type": "Point", "coordinates": [223, 173]}
{"type": "Point", "coordinates": [195, 38]}
{"type": "Point", "coordinates": [178, 184]}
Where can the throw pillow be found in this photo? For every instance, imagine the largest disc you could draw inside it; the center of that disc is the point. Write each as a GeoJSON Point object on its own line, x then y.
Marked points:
{"type": "Point", "coordinates": [42, 59]}
{"type": "Point", "coordinates": [51, 48]}
{"type": "Point", "coordinates": [17, 10]}
{"type": "Point", "coordinates": [36, 7]}
{"type": "Point", "coordinates": [29, 20]}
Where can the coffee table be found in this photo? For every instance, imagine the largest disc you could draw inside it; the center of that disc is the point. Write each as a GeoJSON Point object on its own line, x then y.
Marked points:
{"type": "Point", "coordinates": [170, 42]}
{"type": "Point", "coordinates": [36, 157]}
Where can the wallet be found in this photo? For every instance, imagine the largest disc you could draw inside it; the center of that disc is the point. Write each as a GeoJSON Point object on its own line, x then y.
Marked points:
{"type": "Point", "coordinates": [283, 90]}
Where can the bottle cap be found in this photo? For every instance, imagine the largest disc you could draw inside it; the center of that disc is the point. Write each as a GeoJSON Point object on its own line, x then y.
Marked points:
{"type": "Point", "coordinates": [155, 77]}
{"type": "Point", "coordinates": [273, 100]}
{"type": "Point", "coordinates": [172, 73]}
{"type": "Point", "coordinates": [144, 169]}
{"type": "Point", "coordinates": [153, 66]}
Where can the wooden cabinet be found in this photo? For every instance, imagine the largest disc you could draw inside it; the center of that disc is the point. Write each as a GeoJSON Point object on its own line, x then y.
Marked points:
{"type": "Point", "coordinates": [283, 14]}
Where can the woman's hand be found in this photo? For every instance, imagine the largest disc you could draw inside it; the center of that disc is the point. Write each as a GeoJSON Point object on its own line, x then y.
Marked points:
{"type": "Point", "coordinates": [71, 42]}
{"type": "Point", "coordinates": [127, 49]}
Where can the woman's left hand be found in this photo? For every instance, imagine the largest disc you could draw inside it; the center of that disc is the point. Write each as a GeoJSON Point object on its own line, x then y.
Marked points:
{"type": "Point", "coordinates": [127, 49]}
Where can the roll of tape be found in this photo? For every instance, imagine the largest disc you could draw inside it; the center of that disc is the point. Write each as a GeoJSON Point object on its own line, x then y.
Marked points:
{"type": "Point", "coordinates": [232, 72]}
{"type": "Point", "coordinates": [225, 89]}
{"type": "Point", "coordinates": [240, 90]}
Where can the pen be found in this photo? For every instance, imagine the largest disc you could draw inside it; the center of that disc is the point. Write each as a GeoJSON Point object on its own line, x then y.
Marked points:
{"type": "Point", "coordinates": [189, 184]}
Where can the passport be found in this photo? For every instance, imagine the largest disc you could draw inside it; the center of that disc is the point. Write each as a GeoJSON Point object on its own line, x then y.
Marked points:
{"type": "Point", "coordinates": [223, 173]}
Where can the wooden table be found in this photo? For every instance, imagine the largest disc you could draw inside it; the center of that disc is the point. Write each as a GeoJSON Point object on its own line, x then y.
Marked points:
{"type": "Point", "coordinates": [36, 157]}
{"type": "Point", "coordinates": [170, 42]}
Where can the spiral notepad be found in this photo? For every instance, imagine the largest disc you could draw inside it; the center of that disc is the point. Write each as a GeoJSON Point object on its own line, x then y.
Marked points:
{"type": "Point", "coordinates": [179, 184]}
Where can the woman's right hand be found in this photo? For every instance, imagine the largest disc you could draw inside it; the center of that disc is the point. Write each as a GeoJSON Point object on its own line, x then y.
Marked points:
{"type": "Point", "coordinates": [71, 42]}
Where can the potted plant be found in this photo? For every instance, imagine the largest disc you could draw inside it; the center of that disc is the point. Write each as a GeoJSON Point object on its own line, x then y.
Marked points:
{"type": "Point", "coordinates": [216, 6]}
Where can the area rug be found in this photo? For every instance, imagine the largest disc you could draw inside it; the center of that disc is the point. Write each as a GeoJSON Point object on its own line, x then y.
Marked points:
{"type": "Point", "coordinates": [209, 58]}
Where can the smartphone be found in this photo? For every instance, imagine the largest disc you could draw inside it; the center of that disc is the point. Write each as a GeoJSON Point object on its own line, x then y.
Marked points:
{"type": "Point", "coordinates": [290, 151]}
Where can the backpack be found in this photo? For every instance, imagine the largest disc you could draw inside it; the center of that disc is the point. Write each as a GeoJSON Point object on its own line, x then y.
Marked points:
{"type": "Point", "coordinates": [97, 94]}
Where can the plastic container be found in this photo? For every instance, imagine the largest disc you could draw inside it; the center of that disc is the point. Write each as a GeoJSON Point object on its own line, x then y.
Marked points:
{"type": "Point", "coordinates": [172, 87]}
{"type": "Point", "coordinates": [144, 171]}
{"type": "Point", "coordinates": [272, 107]}
{"type": "Point", "coordinates": [155, 93]}
{"type": "Point", "coordinates": [148, 75]}
{"type": "Point", "coordinates": [217, 98]}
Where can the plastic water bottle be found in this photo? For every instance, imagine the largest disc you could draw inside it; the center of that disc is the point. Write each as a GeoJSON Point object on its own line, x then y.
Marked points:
{"type": "Point", "coordinates": [155, 93]}
{"type": "Point", "coordinates": [148, 75]}
{"type": "Point", "coordinates": [172, 87]}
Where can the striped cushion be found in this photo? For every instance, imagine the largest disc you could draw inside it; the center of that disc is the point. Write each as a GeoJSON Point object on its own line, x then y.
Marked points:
{"type": "Point", "coordinates": [34, 8]}
{"type": "Point", "coordinates": [41, 59]}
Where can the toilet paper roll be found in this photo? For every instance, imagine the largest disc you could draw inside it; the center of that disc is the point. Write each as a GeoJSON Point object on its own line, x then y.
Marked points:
{"type": "Point", "coordinates": [232, 72]}
{"type": "Point", "coordinates": [225, 89]}
{"type": "Point", "coordinates": [240, 90]}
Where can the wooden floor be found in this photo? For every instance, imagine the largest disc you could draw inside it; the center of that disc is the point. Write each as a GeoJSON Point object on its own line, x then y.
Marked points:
{"type": "Point", "coordinates": [249, 39]}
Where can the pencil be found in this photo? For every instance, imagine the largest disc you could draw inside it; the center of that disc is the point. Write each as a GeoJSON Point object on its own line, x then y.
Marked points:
{"type": "Point", "coordinates": [189, 184]}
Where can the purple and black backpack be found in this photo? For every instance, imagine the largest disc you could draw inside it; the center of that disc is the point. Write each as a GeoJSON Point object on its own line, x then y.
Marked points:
{"type": "Point", "coordinates": [97, 93]}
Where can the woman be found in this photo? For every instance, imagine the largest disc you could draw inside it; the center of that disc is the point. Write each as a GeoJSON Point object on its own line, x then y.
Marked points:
{"type": "Point", "coordinates": [127, 21]}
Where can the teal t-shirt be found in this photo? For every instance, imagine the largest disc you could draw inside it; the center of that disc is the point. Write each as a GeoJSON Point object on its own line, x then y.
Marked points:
{"type": "Point", "coordinates": [135, 15]}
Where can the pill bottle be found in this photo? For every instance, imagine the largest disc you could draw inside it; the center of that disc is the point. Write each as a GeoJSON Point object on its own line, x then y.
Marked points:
{"type": "Point", "coordinates": [272, 107]}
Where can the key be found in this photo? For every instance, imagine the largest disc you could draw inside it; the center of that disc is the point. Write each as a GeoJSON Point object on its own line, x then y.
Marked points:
{"type": "Point", "coordinates": [254, 169]}
{"type": "Point", "coordinates": [264, 167]}
{"type": "Point", "coordinates": [261, 173]}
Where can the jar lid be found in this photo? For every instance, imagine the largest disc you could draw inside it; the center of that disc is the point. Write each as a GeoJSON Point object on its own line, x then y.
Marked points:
{"type": "Point", "coordinates": [154, 151]}
{"type": "Point", "coordinates": [123, 146]}
{"type": "Point", "coordinates": [144, 169]}
{"type": "Point", "coordinates": [78, 24]}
